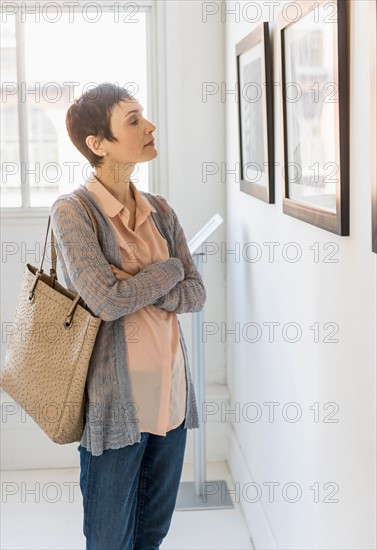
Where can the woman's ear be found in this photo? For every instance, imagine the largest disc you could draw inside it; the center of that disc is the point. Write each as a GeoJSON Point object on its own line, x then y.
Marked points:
{"type": "Point", "coordinates": [95, 145]}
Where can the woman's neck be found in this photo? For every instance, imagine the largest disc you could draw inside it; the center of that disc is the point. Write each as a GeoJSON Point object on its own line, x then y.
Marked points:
{"type": "Point", "coordinates": [116, 179]}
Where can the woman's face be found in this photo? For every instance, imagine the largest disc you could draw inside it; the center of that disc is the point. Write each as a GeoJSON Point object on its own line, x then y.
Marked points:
{"type": "Point", "coordinates": [133, 133]}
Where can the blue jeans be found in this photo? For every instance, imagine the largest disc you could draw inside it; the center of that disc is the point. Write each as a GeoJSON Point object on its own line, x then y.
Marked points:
{"type": "Point", "coordinates": [129, 494]}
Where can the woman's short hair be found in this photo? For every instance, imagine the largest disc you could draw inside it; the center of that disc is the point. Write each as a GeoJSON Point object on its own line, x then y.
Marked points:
{"type": "Point", "coordinates": [90, 115]}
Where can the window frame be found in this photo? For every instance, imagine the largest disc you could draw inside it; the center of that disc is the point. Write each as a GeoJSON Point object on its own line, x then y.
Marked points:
{"type": "Point", "coordinates": [157, 104]}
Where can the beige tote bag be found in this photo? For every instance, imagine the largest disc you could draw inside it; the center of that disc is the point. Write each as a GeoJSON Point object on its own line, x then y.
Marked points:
{"type": "Point", "coordinates": [49, 350]}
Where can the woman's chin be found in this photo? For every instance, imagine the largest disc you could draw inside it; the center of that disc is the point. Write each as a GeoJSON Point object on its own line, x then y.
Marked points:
{"type": "Point", "coordinates": [147, 156]}
{"type": "Point", "coordinates": [152, 151]}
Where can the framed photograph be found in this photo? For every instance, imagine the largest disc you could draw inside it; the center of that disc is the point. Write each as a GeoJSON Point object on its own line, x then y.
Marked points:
{"type": "Point", "coordinates": [373, 54]}
{"type": "Point", "coordinates": [314, 107]}
{"type": "Point", "coordinates": [255, 114]}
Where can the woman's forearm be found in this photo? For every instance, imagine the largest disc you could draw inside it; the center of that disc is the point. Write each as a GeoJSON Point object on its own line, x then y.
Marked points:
{"type": "Point", "coordinates": [188, 295]}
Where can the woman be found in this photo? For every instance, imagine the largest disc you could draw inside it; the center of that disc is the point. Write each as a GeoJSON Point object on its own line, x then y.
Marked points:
{"type": "Point", "coordinates": [136, 277]}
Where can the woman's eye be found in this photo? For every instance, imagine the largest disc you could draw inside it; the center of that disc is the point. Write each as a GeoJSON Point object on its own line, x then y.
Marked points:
{"type": "Point", "coordinates": [134, 122]}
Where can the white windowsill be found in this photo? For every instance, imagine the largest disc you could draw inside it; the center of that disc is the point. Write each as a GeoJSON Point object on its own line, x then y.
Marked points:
{"type": "Point", "coordinates": [33, 213]}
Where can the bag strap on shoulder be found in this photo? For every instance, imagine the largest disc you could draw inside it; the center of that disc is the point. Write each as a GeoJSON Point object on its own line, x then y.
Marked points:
{"type": "Point", "coordinates": [53, 273]}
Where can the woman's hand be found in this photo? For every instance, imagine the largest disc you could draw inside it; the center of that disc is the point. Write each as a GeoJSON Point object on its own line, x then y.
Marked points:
{"type": "Point", "coordinates": [119, 274]}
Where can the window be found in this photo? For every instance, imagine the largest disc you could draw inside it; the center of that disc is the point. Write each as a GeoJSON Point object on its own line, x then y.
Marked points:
{"type": "Point", "coordinates": [50, 54]}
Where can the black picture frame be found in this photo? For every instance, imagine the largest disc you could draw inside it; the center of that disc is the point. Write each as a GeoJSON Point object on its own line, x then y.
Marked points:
{"type": "Point", "coordinates": [373, 52]}
{"type": "Point", "coordinates": [315, 122]}
{"type": "Point", "coordinates": [255, 114]}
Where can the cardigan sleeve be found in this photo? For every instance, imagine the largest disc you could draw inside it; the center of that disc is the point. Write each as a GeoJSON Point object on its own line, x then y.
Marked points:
{"type": "Point", "coordinates": [91, 274]}
{"type": "Point", "coordinates": [190, 294]}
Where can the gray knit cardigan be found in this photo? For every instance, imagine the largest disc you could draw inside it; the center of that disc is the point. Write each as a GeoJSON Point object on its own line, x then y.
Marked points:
{"type": "Point", "coordinates": [174, 285]}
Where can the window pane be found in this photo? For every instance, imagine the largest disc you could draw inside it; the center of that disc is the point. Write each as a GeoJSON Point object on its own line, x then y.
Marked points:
{"type": "Point", "coordinates": [9, 150]}
{"type": "Point", "coordinates": [57, 71]}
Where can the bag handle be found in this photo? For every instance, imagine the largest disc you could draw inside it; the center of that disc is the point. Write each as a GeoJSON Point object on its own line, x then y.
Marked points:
{"type": "Point", "coordinates": [52, 240]}
{"type": "Point", "coordinates": [53, 273]}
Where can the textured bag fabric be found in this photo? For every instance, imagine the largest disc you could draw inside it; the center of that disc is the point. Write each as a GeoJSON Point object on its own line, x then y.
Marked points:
{"type": "Point", "coordinates": [48, 353]}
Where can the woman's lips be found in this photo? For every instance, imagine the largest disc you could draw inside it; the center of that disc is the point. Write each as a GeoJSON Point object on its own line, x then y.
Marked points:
{"type": "Point", "coordinates": [151, 143]}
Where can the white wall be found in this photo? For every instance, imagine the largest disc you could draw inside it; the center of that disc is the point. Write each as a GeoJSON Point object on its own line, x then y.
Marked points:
{"type": "Point", "coordinates": [305, 452]}
{"type": "Point", "coordinates": [193, 134]}
{"type": "Point", "coordinates": [196, 135]}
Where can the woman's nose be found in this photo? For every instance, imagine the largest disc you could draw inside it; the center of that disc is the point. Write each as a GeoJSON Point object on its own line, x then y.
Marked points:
{"type": "Point", "coordinates": [151, 127]}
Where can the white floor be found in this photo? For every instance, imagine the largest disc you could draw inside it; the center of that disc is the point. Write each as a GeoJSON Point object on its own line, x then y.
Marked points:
{"type": "Point", "coordinates": [42, 510]}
